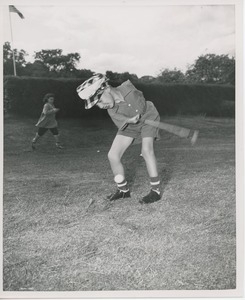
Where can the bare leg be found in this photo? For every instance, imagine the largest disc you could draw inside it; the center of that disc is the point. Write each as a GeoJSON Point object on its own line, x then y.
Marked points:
{"type": "Point", "coordinates": [57, 138]}
{"type": "Point", "coordinates": [57, 141]}
{"type": "Point", "coordinates": [149, 156]}
{"type": "Point", "coordinates": [118, 147]}
{"type": "Point", "coordinates": [151, 165]}
{"type": "Point", "coordinates": [36, 138]}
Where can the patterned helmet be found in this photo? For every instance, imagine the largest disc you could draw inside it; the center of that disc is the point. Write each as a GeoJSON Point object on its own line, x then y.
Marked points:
{"type": "Point", "coordinates": [92, 89]}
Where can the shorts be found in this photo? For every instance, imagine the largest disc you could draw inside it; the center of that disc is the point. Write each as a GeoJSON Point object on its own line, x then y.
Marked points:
{"type": "Point", "coordinates": [141, 129]}
{"type": "Point", "coordinates": [42, 130]}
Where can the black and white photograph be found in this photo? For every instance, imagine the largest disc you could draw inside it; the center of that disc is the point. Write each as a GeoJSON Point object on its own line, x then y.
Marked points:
{"type": "Point", "coordinates": [122, 149]}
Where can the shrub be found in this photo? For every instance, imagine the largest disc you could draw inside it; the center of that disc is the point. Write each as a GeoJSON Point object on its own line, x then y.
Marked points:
{"type": "Point", "coordinates": [23, 95]}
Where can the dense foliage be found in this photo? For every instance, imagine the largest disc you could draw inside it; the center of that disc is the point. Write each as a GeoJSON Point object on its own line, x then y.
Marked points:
{"type": "Point", "coordinates": [23, 95]}
{"type": "Point", "coordinates": [208, 68]}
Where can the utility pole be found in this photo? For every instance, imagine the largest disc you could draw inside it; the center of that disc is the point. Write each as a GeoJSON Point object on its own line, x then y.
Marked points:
{"type": "Point", "coordinates": [11, 31]}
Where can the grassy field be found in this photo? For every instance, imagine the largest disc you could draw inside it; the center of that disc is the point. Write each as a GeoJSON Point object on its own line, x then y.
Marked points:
{"type": "Point", "coordinates": [61, 234]}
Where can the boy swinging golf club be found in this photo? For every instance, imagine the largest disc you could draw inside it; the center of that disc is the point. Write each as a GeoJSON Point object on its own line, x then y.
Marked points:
{"type": "Point", "coordinates": [128, 109]}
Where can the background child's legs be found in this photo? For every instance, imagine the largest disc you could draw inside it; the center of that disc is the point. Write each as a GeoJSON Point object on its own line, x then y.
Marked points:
{"type": "Point", "coordinates": [36, 138]}
{"type": "Point", "coordinates": [41, 131]}
{"type": "Point", "coordinates": [56, 136]}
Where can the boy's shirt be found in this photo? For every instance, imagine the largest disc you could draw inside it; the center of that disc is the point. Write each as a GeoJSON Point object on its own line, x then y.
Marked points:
{"type": "Point", "coordinates": [134, 103]}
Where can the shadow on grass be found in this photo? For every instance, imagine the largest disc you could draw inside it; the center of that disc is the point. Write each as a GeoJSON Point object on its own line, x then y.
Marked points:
{"type": "Point", "coordinates": [165, 173]}
{"type": "Point", "coordinates": [131, 169]}
{"type": "Point", "coordinates": [136, 162]}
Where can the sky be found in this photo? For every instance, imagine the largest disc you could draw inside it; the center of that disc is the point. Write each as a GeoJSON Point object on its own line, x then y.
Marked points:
{"type": "Point", "coordinates": [139, 39]}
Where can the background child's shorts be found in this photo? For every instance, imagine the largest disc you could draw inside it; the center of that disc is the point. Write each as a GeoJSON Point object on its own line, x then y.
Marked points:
{"type": "Point", "coordinates": [42, 130]}
{"type": "Point", "coordinates": [142, 129]}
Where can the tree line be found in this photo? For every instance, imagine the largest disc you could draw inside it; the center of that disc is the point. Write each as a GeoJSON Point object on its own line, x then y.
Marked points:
{"type": "Point", "coordinates": [207, 69]}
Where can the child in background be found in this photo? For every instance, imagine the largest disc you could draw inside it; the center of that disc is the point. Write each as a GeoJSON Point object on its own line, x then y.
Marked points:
{"type": "Point", "coordinates": [47, 121]}
{"type": "Point", "coordinates": [128, 109]}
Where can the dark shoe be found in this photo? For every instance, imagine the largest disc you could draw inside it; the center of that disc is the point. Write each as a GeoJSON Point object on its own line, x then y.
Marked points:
{"type": "Point", "coordinates": [118, 195]}
{"type": "Point", "coordinates": [151, 197]}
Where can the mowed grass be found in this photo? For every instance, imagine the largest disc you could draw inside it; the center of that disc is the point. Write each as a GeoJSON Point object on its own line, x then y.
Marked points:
{"type": "Point", "coordinates": [61, 234]}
